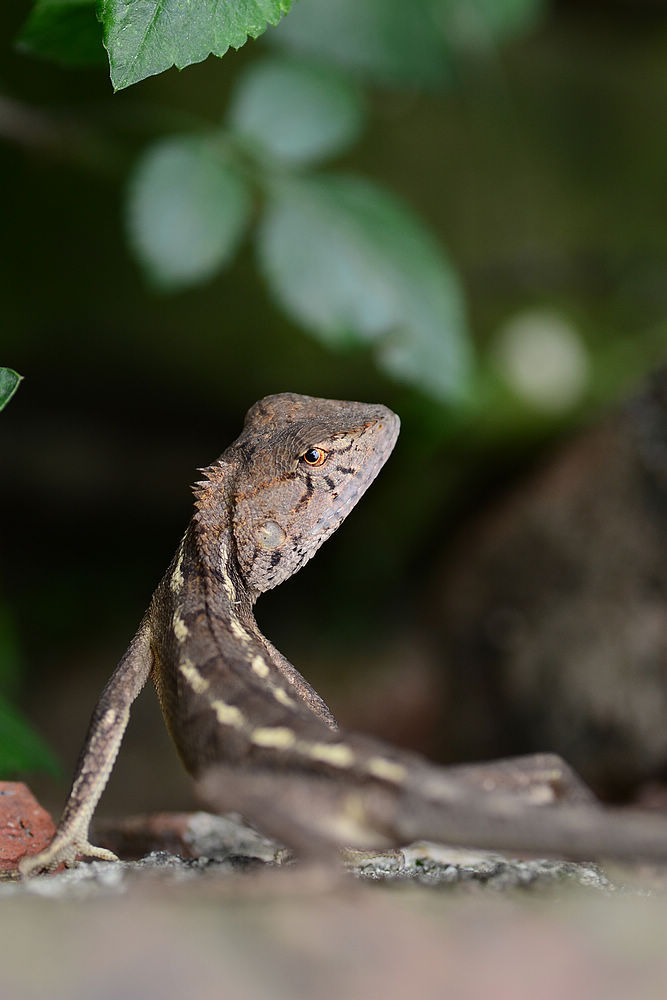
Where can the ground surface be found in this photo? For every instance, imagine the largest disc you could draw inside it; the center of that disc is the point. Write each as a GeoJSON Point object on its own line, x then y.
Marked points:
{"type": "Point", "coordinates": [426, 922]}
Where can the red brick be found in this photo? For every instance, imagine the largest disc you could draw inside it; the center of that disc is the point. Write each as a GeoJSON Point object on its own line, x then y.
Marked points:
{"type": "Point", "coordinates": [25, 828]}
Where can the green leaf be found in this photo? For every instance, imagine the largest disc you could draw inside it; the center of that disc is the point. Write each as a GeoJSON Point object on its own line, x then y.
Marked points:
{"type": "Point", "coordinates": [387, 41]}
{"type": "Point", "coordinates": [21, 748]}
{"type": "Point", "coordinates": [67, 31]}
{"type": "Point", "coordinates": [349, 261]}
{"type": "Point", "coordinates": [144, 37]}
{"type": "Point", "coordinates": [186, 211]}
{"type": "Point", "coordinates": [9, 383]}
{"type": "Point", "coordinates": [296, 113]}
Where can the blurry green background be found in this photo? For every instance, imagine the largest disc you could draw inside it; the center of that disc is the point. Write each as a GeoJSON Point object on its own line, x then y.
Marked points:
{"type": "Point", "coordinates": [537, 157]}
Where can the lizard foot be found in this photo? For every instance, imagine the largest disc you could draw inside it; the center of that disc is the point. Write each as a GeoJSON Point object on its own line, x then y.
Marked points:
{"type": "Point", "coordinates": [64, 851]}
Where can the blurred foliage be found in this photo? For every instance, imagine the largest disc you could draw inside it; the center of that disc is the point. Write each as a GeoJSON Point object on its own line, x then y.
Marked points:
{"type": "Point", "coordinates": [187, 211]}
{"type": "Point", "coordinates": [21, 749]}
{"type": "Point", "coordinates": [372, 273]}
{"type": "Point", "coordinates": [66, 31]}
{"type": "Point", "coordinates": [399, 44]}
{"type": "Point", "coordinates": [144, 37]}
{"type": "Point", "coordinates": [339, 254]}
{"type": "Point", "coordinates": [341, 257]}
{"type": "Point", "coordinates": [385, 41]}
{"type": "Point", "coordinates": [295, 113]}
{"type": "Point", "coordinates": [351, 263]}
{"type": "Point", "coordinates": [9, 383]}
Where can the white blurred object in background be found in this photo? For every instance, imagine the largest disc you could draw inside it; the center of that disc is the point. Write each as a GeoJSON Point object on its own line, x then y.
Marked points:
{"type": "Point", "coordinates": [542, 358]}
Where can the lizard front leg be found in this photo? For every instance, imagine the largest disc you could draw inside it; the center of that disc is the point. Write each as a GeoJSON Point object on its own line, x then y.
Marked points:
{"type": "Point", "coordinates": [99, 753]}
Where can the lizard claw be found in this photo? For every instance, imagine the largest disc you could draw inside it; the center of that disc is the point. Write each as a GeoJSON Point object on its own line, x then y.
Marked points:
{"type": "Point", "coordinates": [62, 852]}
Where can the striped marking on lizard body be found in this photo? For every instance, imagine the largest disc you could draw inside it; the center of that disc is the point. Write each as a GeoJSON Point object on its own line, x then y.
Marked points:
{"type": "Point", "coordinates": [180, 628]}
{"type": "Point", "coordinates": [227, 582]}
{"type": "Point", "coordinates": [260, 667]}
{"type": "Point", "coordinates": [388, 770]}
{"type": "Point", "coordinates": [338, 755]}
{"type": "Point", "coordinates": [277, 737]}
{"type": "Point", "coordinates": [227, 715]}
{"type": "Point", "coordinates": [198, 683]}
{"type": "Point", "coordinates": [258, 664]}
{"type": "Point", "coordinates": [282, 696]}
{"type": "Point", "coordinates": [177, 579]}
{"type": "Point", "coordinates": [239, 632]}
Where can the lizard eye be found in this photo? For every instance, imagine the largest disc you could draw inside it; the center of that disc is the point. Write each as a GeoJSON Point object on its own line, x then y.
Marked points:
{"type": "Point", "coordinates": [315, 457]}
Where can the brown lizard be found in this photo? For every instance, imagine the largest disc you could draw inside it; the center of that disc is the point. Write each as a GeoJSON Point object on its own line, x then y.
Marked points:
{"type": "Point", "coordinates": [248, 726]}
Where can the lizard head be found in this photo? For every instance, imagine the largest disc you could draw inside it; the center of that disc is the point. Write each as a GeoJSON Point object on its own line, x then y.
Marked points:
{"type": "Point", "coordinates": [302, 464]}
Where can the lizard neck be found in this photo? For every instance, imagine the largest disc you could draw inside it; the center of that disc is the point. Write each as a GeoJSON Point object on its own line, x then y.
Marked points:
{"type": "Point", "coordinates": [210, 543]}
{"type": "Point", "coordinates": [212, 663]}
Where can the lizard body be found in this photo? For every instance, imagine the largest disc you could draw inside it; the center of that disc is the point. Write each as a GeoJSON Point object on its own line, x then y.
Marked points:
{"type": "Point", "coordinates": [262, 510]}
{"type": "Point", "coordinates": [248, 727]}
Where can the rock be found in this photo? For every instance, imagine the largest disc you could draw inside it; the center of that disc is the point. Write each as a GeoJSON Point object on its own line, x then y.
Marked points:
{"type": "Point", "coordinates": [552, 609]}
{"type": "Point", "coordinates": [188, 835]}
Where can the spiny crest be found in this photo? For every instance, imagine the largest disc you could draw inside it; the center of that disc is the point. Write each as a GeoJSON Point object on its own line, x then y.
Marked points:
{"type": "Point", "coordinates": [207, 491]}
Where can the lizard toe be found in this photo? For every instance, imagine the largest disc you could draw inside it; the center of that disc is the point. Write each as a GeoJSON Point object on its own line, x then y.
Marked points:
{"type": "Point", "coordinates": [61, 853]}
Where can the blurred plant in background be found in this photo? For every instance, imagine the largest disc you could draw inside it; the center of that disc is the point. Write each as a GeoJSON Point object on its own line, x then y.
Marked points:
{"type": "Point", "coordinates": [21, 749]}
{"type": "Point", "coordinates": [9, 383]}
{"type": "Point", "coordinates": [342, 256]}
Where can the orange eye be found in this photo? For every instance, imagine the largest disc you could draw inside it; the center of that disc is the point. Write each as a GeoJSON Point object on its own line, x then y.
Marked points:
{"type": "Point", "coordinates": [315, 457]}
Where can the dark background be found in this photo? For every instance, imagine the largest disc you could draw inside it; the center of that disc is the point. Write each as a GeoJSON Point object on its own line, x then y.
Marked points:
{"type": "Point", "coordinates": [542, 170]}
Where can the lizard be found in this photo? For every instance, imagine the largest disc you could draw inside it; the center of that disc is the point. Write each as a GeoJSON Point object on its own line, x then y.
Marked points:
{"type": "Point", "coordinates": [248, 727]}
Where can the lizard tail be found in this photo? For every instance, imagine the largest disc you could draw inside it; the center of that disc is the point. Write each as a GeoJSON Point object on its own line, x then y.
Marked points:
{"type": "Point", "coordinates": [315, 815]}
